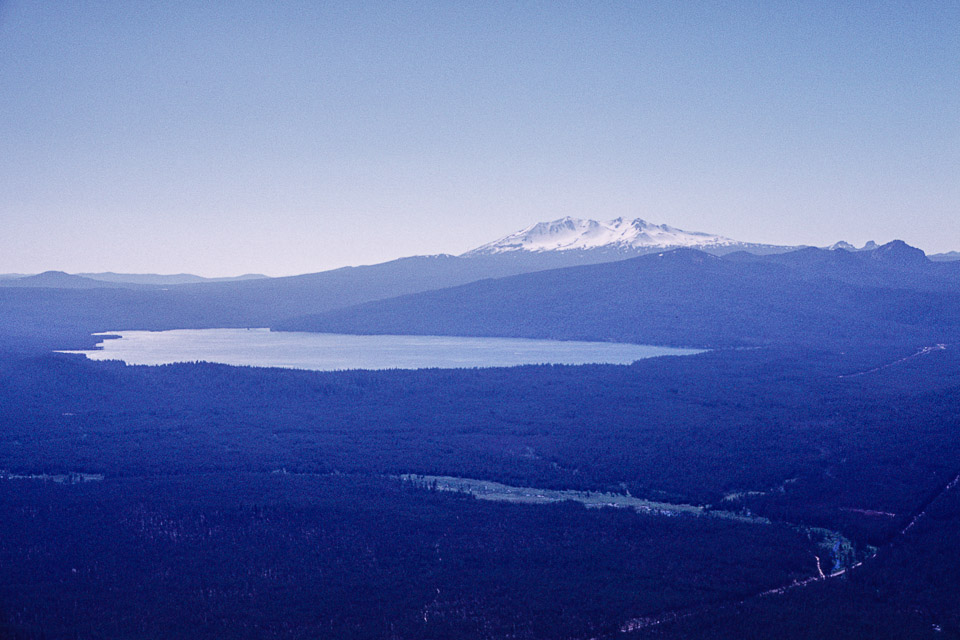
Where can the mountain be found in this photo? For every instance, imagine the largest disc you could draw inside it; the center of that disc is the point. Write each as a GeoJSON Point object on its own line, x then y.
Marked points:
{"type": "Point", "coordinates": [846, 246]}
{"type": "Point", "coordinates": [683, 297]}
{"type": "Point", "coordinates": [626, 237]}
{"type": "Point", "coordinates": [73, 306]}
{"type": "Point", "coordinates": [892, 265]}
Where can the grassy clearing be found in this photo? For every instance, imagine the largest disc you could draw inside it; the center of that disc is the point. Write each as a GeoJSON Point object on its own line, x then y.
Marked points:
{"type": "Point", "coordinates": [487, 490]}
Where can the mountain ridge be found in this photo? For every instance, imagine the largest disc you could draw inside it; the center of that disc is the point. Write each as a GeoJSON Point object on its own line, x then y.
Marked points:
{"type": "Point", "coordinates": [686, 297]}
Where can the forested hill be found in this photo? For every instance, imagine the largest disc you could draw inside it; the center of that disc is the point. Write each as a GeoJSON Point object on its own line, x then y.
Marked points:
{"type": "Point", "coordinates": [58, 310]}
{"type": "Point", "coordinates": [682, 297]}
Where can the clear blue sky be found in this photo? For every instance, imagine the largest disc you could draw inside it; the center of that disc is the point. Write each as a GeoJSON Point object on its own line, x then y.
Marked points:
{"type": "Point", "coordinates": [288, 137]}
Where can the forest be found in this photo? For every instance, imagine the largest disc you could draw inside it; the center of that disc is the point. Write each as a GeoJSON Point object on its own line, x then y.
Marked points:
{"type": "Point", "coordinates": [813, 471]}
{"type": "Point", "coordinates": [265, 503]}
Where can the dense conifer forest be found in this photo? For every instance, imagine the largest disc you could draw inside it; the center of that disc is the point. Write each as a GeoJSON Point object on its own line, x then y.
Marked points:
{"type": "Point", "coordinates": [802, 485]}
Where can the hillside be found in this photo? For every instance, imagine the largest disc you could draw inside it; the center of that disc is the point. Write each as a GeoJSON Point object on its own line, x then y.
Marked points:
{"type": "Point", "coordinates": [60, 310]}
{"type": "Point", "coordinates": [682, 298]}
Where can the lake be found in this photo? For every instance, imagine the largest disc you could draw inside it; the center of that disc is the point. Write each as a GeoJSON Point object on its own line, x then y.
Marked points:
{"type": "Point", "coordinates": [332, 352]}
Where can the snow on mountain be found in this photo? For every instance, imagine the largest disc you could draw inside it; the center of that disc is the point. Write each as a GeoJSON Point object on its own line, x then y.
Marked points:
{"type": "Point", "coordinates": [846, 246]}
{"type": "Point", "coordinates": [843, 244]}
{"type": "Point", "coordinates": [568, 234]}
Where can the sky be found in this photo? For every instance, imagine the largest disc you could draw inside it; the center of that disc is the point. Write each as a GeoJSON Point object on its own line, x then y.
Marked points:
{"type": "Point", "coordinates": [221, 138]}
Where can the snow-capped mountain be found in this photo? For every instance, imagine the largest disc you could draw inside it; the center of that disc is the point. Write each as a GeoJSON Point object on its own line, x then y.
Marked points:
{"type": "Point", "coordinates": [569, 234]}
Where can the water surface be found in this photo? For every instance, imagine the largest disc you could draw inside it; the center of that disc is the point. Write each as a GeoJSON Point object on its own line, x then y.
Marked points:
{"type": "Point", "coordinates": [331, 352]}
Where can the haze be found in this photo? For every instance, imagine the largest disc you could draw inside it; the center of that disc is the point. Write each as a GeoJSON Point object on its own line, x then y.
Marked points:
{"type": "Point", "coordinates": [280, 139]}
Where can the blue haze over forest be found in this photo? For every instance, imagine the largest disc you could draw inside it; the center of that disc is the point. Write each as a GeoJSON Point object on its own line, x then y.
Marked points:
{"type": "Point", "coordinates": [508, 173]}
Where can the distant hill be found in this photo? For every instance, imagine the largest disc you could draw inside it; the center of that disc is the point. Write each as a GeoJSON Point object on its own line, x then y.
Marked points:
{"type": "Point", "coordinates": [261, 302]}
{"type": "Point", "coordinates": [683, 297]}
{"type": "Point", "coordinates": [62, 280]}
{"type": "Point", "coordinates": [57, 280]}
{"type": "Point", "coordinates": [950, 256]}
{"type": "Point", "coordinates": [158, 279]}
{"type": "Point", "coordinates": [65, 309]}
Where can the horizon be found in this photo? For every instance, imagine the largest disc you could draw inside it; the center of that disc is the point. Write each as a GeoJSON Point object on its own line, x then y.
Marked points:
{"type": "Point", "coordinates": [865, 245]}
{"type": "Point", "coordinates": [164, 138]}
{"type": "Point", "coordinates": [264, 272]}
